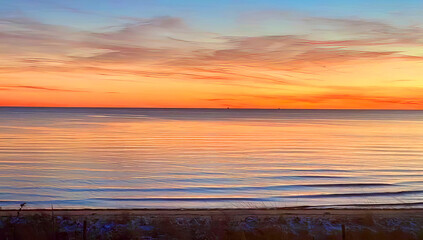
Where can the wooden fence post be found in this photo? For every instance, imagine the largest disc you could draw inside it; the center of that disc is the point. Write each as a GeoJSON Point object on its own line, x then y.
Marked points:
{"type": "Point", "coordinates": [343, 232]}
{"type": "Point", "coordinates": [84, 233]}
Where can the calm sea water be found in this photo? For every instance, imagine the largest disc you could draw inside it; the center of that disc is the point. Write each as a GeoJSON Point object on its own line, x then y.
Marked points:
{"type": "Point", "coordinates": [204, 158]}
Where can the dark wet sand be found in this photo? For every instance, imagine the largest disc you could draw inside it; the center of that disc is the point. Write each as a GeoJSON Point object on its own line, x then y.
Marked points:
{"type": "Point", "coordinates": [415, 213]}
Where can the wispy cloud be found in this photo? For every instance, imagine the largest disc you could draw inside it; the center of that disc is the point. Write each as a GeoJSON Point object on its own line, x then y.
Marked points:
{"type": "Point", "coordinates": [169, 49]}
{"type": "Point", "coordinates": [28, 87]}
{"type": "Point", "coordinates": [355, 31]}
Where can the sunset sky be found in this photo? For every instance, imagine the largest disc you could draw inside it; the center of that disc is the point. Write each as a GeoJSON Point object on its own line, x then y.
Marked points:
{"type": "Point", "coordinates": [362, 54]}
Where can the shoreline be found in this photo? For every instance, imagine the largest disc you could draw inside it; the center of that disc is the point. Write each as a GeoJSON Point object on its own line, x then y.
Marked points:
{"type": "Point", "coordinates": [213, 211]}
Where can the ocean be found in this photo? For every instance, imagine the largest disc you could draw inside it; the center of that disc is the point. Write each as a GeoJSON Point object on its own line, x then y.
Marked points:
{"type": "Point", "coordinates": [210, 158]}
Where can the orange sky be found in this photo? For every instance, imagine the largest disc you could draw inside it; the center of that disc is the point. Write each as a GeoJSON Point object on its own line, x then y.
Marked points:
{"type": "Point", "coordinates": [167, 62]}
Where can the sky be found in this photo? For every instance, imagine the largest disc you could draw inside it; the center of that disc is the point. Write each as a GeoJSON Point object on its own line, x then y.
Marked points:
{"type": "Point", "coordinates": [362, 54]}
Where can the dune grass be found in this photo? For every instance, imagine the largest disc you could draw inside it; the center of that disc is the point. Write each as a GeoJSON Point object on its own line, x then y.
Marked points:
{"type": "Point", "coordinates": [217, 226]}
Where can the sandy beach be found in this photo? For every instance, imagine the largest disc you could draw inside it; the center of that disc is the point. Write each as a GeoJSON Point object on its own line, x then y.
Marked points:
{"type": "Point", "coordinates": [212, 224]}
{"type": "Point", "coordinates": [416, 213]}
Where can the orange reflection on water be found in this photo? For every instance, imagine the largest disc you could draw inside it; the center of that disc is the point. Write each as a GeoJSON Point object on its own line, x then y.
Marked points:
{"type": "Point", "coordinates": [82, 156]}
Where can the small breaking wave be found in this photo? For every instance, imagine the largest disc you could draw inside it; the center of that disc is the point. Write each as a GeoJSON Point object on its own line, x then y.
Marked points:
{"type": "Point", "coordinates": [369, 194]}
{"type": "Point", "coordinates": [218, 199]}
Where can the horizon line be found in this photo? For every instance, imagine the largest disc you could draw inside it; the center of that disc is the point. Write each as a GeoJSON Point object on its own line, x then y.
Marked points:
{"type": "Point", "coordinates": [222, 108]}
